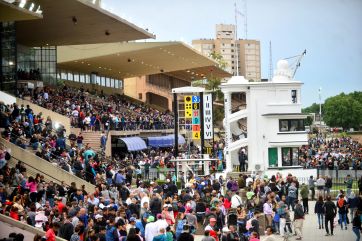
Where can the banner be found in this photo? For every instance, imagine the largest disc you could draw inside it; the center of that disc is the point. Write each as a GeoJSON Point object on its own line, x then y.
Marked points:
{"type": "Point", "coordinates": [208, 123]}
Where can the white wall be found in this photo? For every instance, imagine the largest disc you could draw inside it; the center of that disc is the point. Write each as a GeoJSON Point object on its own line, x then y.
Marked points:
{"type": "Point", "coordinates": [302, 174]}
{"type": "Point", "coordinates": [6, 98]}
{"type": "Point", "coordinates": [266, 99]}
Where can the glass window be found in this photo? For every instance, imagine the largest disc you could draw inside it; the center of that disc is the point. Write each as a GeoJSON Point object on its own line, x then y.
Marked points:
{"type": "Point", "coordinates": [294, 96]}
{"type": "Point", "coordinates": [284, 125]}
{"type": "Point", "coordinates": [290, 156]}
{"type": "Point", "coordinates": [76, 77]}
{"type": "Point", "coordinates": [291, 125]}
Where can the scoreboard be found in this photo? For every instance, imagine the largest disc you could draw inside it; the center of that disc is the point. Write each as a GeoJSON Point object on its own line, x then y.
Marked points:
{"type": "Point", "coordinates": [192, 115]}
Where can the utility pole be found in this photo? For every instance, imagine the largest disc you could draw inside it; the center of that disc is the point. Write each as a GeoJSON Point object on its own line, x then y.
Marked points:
{"type": "Point", "coordinates": [320, 110]}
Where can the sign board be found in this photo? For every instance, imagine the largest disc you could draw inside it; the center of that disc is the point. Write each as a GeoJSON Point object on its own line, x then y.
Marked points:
{"type": "Point", "coordinates": [30, 85]}
{"type": "Point", "coordinates": [195, 117]}
{"type": "Point", "coordinates": [208, 123]}
{"type": "Point", "coordinates": [39, 84]}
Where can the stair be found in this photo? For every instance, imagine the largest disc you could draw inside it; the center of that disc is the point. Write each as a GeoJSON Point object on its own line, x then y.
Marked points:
{"type": "Point", "coordinates": [238, 115]}
{"type": "Point", "coordinates": [35, 165]}
{"type": "Point", "coordinates": [238, 144]}
{"type": "Point", "coordinates": [93, 138]}
{"type": "Point", "coordinates": [235, 174]}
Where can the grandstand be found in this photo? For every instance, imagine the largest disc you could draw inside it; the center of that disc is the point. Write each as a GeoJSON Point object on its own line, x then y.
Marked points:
{"type": "Point", "coordinates": [49, 71]}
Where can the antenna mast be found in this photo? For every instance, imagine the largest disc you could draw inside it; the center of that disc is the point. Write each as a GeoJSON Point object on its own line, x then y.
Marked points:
{"type": "Point", "coordinates": [246, 19]}
{"type": "Point", "coordinates": [236, 40]}
{"type": "Point", "coordinates": [270, 62]}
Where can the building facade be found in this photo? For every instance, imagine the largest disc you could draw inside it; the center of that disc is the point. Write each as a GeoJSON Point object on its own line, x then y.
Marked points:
{"type": "Point", "coordinates": [241, 52]}
{"type": "Point", "coordinates": [274, 123]}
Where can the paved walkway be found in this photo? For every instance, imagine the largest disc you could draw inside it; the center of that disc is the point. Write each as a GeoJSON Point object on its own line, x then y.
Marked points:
{"type": "Point", "coordinates": [311, 231]}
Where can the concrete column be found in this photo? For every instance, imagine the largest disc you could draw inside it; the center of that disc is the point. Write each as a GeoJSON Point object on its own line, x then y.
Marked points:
{"type": "Point", "coordinates": [280, 163]}
{"type": "Point", "coordinates": [228, 136]}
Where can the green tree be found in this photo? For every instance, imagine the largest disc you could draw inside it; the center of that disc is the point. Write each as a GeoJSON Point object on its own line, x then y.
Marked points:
{"type": "Point", "coordinates": [314, 108]}
{"type": "Point", "coordinates": [344, 111]}
{"type": "Point", "coordinates": [213, 84]}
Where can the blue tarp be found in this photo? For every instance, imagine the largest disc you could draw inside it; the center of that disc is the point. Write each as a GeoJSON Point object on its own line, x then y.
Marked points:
{"type": "Point", "coordinates": [134, 143]}
{"type": "Point", "coordinates": [165, 141]}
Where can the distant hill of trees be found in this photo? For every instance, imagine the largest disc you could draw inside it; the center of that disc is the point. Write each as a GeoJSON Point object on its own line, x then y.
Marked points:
{"type": "Point", "coordinates": [343, 110]}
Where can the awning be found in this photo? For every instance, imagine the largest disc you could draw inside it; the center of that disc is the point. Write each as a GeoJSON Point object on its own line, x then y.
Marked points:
{"type": "Point", "coordinates": [134, 143]}
{"type": "Point", "coordinates": [132, 59]}
{"type": "Point", "coordinates": [165, 141]}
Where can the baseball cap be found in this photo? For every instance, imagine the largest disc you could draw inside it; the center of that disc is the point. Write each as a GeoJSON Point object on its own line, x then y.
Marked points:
{"type": "Point", "coordinates": [98, 216]}
{"type": "Point", "coordinates": [150, 219]}
{"type": "Point", "coordinates": [132, 219]}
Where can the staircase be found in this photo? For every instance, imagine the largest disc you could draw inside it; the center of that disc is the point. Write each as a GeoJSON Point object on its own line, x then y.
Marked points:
{"type": "Point", "coordinates": [35, 165]}
{"type": "Point", "coordinates": [235, 174]}
{"type": "Point", "coordinates": [93, 138]}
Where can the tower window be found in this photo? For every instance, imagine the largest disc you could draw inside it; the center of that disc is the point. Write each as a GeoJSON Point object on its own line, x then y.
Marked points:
{"type": "Point", "coordinates": [294, 96]}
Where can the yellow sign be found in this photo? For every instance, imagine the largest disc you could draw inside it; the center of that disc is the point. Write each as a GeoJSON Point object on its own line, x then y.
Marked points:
{"type": "Point", "coordinates": [188, 106]}
{"type": "Point", "coordinates": [196, 135]}
{"type": "Point", "coordinates": [188, 99]}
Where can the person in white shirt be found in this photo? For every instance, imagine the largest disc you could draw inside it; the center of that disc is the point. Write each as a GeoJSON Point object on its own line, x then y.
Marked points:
{"type": "Point", "coordinates": [236, 200]}
{"type": "Point", "coordinates": [144, 198]}
{"type": "Point", "coordinates": [249, 180]}
{"type": "Point", "coordinates": [161, 221]}
{"type": "Point", "coordinates": [320, 183]}
{"type": "Point", "coordinates": [151, 229]}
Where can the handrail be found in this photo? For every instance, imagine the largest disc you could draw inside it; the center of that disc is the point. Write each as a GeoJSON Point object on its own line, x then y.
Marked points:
{"type": "Point", "coordinates": [57, 157]}
{"type": "Point", "coordinates": [41, 172]}
{"type": "Point", "coordinates": [24, 226]}
{"type": "Point", "coordinates": [67, 176]}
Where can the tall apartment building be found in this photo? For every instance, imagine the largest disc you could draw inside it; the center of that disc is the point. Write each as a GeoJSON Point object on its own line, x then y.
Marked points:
{"type": "Point", "coordinates": [226, 44]}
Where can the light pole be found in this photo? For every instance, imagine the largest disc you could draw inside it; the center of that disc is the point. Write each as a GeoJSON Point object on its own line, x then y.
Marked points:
{"type": "Point", "coordinates": [320, 110]}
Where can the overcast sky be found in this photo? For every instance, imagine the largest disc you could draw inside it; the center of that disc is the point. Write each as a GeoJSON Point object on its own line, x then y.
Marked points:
{"type": "Point", "coordinates": [330, 31]}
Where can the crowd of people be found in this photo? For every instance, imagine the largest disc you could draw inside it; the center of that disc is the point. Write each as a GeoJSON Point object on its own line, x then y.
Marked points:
{"type": "Point", "coordinates": [32, 74]}
{"type": "Point", "coordinates": [111, 112]}
{"type": "Point", "coordinates": [342, 153]}
{"type": "Point", "coordinates": [121, 208]}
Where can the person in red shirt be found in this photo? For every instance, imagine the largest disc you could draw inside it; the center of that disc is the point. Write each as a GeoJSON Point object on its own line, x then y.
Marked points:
{"type": "Point", "coordinates": [50, 234]}
{"type": "Point", "coordinates": [60, 205]}
{"type": "Point", "coordinates": [213, 229]}
{"type": "Point", "coordinates": [14, 213]}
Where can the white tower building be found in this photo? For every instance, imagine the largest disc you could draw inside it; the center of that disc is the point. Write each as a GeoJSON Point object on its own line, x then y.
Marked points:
{"type": "Point", "coordinates": [272, 115]}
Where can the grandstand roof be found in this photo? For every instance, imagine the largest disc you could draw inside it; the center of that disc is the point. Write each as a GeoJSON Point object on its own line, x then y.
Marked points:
{"type": "Point", "coordinates": [69, 22]}
{"type": "Point", "coordinates": [11, 12]}
{"type": "Point", "coordinates": [125, 60]}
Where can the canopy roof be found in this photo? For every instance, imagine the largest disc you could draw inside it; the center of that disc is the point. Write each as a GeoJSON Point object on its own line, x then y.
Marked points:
{"type": "Point", "coordinates": [69, 22]}
{"type": "Point", "coordinates": [125, 60]}
{"type": "Point", "coordinates": [134, 143]}
{"type": "Point", "coordinates": [10, 12]}
{"type": "Point", "coordinates": [165, 141]}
